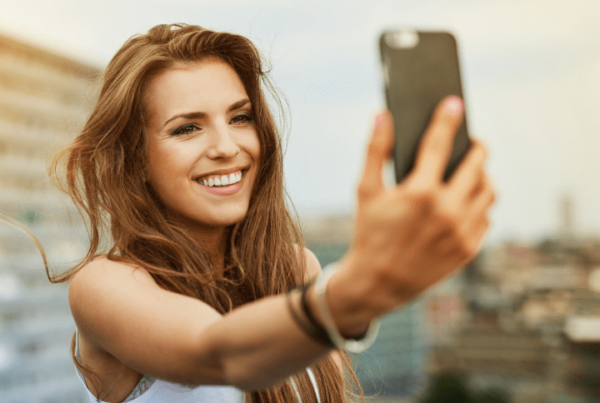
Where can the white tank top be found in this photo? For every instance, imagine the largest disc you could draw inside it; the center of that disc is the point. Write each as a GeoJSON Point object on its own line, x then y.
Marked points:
{"type": "Point", "coordinates": [151, 390]}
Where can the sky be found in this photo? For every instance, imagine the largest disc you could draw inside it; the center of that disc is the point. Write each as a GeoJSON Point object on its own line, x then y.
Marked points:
{"type": "Point", "coordinates": [531, 75]}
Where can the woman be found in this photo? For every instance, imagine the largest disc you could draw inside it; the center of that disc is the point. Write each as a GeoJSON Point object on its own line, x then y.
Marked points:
{"type": "Point", "coordinates": [180, 164]}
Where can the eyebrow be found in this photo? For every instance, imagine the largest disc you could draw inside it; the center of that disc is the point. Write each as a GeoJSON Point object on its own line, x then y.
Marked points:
{"type": "Point", "coordinates": [199, 115]}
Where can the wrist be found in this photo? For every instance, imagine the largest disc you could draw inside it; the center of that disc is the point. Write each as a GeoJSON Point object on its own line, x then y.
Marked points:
{"type": "Point", "coordinates": [357, 344]}
{"type": "Point", "coordinates": [347, 303]}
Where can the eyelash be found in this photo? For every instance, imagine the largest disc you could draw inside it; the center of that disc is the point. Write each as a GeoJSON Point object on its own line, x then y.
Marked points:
{"type": "Point", "coordinates": [190, 127]}
{"type": "Point", "coordinates": [246, 116]}
{"type": "Point", "coordinates": [185, 129]}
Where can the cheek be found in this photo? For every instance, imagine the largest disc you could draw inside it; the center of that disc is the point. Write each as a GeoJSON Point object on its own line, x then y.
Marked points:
{"type": "Point", "coordinates": [255, 149]}
{"type": "Point", "coordinates": [164, 167]}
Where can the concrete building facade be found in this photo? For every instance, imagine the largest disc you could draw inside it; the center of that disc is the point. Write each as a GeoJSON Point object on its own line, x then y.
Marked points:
{"type": "Point", "coordinates": [44, 98]}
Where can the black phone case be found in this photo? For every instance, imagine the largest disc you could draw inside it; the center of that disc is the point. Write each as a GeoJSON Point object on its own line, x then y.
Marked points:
{"type": "Point", "coordinates": [417, 78]}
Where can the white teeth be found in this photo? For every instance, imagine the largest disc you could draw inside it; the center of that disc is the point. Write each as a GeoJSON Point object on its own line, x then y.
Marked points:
{"type": "Point", "coordinates": [224, 180]}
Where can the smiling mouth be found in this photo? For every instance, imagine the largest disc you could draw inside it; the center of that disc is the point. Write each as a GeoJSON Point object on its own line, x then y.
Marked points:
{"type": "Point", "coordinates": [220, 180]}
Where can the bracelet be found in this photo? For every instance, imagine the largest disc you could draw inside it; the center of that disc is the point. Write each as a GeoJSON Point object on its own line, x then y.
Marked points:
{"type": "Point", "coordinates": [315, 332]}
{"type": "Point", "coordinates": [311, 318]}
{"type": "Point", "coordinates": [351, 345]}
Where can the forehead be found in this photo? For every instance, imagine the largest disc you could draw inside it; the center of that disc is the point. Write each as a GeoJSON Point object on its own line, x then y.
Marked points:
{"type": "Point", "coordinates": [202, 86]}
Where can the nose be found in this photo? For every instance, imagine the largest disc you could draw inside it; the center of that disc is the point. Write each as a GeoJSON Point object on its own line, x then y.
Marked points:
{"type": "Point", "coordinates": [222, 144]}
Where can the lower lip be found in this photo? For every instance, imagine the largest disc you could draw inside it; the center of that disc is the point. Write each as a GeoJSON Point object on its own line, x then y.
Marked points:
{"type": "Point", "coordinates": [222, 190]}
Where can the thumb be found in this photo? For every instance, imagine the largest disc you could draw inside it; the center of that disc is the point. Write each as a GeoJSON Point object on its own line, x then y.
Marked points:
{"type": "Point", "coordinates": [378, 151]}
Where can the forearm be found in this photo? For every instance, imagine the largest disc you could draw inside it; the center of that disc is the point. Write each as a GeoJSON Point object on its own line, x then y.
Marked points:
{"type": "Point", "coordinates": [259, 344]}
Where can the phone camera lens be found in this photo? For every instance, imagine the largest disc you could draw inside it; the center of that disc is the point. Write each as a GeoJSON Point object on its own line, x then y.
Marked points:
{"type": "Point", "coordinates": [402, 39]}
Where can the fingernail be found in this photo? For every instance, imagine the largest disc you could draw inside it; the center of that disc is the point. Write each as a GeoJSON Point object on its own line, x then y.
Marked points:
{"type": "Point", "coordinates": [378, 120]}
{"type": "Point", "coordinates": [453, 105]}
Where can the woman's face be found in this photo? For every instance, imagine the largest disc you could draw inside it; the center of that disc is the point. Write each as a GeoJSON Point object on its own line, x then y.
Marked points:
{"type": "Point", "coordinates": [203, 146]}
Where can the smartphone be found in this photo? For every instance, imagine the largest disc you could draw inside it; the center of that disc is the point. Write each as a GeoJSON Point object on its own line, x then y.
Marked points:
{"type": "Point", "coordinates": [420, 68]}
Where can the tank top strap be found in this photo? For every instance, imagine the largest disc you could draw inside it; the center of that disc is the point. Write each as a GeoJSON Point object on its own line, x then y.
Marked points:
{"type": "Point", "coordinates": [313, 380]}
{"type": "Point", "coordinates": [311, 375]}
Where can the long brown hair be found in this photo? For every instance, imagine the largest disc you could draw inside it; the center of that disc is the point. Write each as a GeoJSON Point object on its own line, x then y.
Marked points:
{"type": "Point", "coordinates": [104, 172]}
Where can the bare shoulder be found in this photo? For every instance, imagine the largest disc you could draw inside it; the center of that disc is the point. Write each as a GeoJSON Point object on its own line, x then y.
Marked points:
{"type": "Point", "coordinates": [102, 283]}
{"type": "Point", "coordinates": [104, 275]}
{"type": "Point", "coordinates": [123, 314]}
{"type": "Point", "coordinates": [102, 271]}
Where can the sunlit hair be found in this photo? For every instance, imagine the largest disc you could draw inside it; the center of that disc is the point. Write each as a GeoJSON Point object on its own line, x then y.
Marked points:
{"type": "Point", "coordinates": [105, 169]}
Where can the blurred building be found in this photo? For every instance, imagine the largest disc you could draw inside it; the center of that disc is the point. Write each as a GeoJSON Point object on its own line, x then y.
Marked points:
{"type": "Point", "coordinates": [522, 319]}
{"type": "Point", "coordinates": [43, 99]}
{"type": "Point", "coordinates": [531, 323]}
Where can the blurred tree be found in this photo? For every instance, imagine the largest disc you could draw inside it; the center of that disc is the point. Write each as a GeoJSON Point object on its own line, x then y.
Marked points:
{"type": "Point", "coordinates": [493, 396]}
{"type": "Point", "coordinates": [448, 388]}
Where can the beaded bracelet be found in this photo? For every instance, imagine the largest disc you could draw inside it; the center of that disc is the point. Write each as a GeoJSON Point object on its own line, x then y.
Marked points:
{"type": "Point", "coordinates": [351, 345]}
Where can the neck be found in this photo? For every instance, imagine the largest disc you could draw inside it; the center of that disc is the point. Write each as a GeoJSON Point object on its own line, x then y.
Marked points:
{"type": "Point", "coordinates": [214, 241]}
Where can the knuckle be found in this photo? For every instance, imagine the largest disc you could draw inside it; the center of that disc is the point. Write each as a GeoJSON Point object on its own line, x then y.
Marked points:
{"type": "Point", "coordinates": [385, 276]}
{"type": "Point", "coordinates": [381, 272]}
{"type": "Point", "coordinates": [481, 149]}
{"type": "Point", "coordinates": [423, 201]}
{"type": "Point", "coordinates": [473, 249]}
{"type": "Point", "coordinates": [364, 190]}
{"type": "Point", "coordinates": [468, 247]}
{"type": "Point", "coordinates": [482, 156]}
{"type": "Point", "coordinates": [376, 146]}
{"type": "Point", "coordinates": [474, 240]}
{"type": "Point", "coordinates": [489, 193]}
{"type": "Point", "coordinates": [448, 221]}
{"type": "Point", "coordinates": [493, 196]}
{"type": "Point", "coordinates": [398, 280]}
{"type": "Point", "coordinates": [461, 240]}
{"type": "Point", "coordinates": [451, 226]}
{"type": "Point", "coordinates": [486, 151]}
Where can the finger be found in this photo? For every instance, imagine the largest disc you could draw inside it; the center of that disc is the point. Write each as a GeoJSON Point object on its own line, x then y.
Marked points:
{"type": "Point", "coordinates": [475, 212]}
{"type": "Point", "coordinates": [473, 236]}
{"type": "Point", "coordinates": [469, 173]}
{"type": "Point", "coordinates": [436, 145]}
{"type": "Point", "coordinates": [484, 199]}
{"type": "Point", "coordinates": [378, 152]}
{"type": "Point", "coordinates": [488, 193]}
{"type": "Point", "coordinates": [479, 230]}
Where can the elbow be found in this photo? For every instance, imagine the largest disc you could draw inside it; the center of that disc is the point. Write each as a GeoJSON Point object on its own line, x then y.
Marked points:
{"type": "Point", "coordinates": [239, 369]}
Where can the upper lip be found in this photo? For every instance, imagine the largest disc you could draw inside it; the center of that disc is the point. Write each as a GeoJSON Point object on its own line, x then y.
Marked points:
{"type": "Point", "coordinates": [226, 171]}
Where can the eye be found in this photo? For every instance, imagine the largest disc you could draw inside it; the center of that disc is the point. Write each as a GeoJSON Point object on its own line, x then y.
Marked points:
{"type": "Point", "coordinates": [241, 118]}
{"type": "Point", "coordinates": [185, 129]}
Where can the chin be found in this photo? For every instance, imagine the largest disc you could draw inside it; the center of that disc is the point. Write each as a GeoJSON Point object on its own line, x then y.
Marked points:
{"type": "Point", "coordinates": [223, 219]}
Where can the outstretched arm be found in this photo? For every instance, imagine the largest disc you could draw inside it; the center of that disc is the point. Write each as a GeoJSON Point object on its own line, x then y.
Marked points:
{"type": "Point", "coordinates": [407, 238]}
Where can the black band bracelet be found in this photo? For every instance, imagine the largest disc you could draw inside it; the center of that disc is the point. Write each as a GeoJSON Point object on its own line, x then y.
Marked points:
{"type": "Point", "coordinates": [309, 315]}
{"type": "Point", "coordinates": [314, 321]}
{"type": "Point", "coordinates": [312, 327]}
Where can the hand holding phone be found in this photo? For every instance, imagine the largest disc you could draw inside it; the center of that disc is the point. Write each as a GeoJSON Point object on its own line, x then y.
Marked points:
{"type": "Point", "coordinates": [409, 236]}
